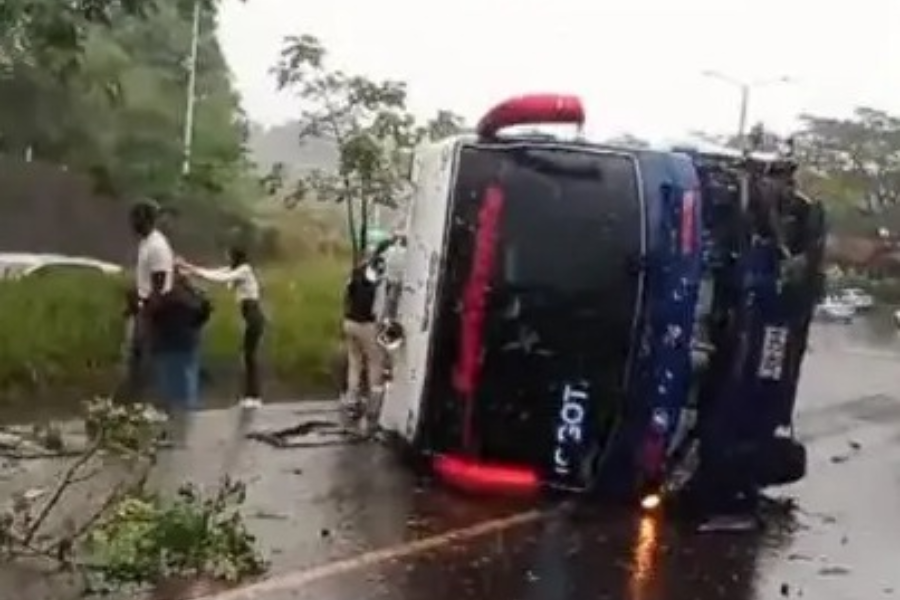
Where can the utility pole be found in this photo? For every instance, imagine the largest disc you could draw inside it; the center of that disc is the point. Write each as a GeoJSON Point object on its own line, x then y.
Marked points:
{"type": "Point", "coordinates": [742, 118]}
{"type": "Point", "coordinates": [745, 87]}
{"type": "Point", "coordinates": [188, 139]}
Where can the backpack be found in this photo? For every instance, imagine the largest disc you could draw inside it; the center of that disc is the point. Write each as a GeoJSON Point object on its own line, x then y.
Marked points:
{"type": "Point", "coordinates": [190, 300]}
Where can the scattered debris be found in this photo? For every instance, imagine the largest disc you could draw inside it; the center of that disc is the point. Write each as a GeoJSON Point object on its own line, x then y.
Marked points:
{"type": "Point", "coordinates": [834, 571]}
{"type": "Point", "coordinates": [854, 448]}
{"type": "Point", "coordinates": [329, 433]}
{"type": "Point", "coordinates": [111, 531]}
{"type": "Point", "coordinates": [36, 443]}
{"type": "Point", "coordinates": [729, 524]}
{"type": "Point", "coordinates": [265, 515]}
{"type": "Point", "coordinates": [799, 557]}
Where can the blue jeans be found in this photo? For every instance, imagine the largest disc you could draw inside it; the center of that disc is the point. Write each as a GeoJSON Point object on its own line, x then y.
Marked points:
{"type": "Point", "coordinates": [178, 378]}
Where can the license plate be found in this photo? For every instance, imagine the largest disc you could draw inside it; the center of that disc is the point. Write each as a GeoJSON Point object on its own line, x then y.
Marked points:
{"type": "Point", "coordinates": [774, 347]}
{"type": "Point", "coordinates": [571, 436]}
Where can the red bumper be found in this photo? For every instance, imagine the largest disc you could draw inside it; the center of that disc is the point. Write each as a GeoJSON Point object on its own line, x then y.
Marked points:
{"type": "Point", "coordinates": [474, 476]}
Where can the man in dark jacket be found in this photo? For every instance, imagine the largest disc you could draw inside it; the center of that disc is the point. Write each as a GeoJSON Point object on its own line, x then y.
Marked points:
{"type": "Point", "coordinates": [364, 356]}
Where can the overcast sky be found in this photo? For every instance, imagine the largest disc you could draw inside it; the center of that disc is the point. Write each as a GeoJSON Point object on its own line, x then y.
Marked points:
{"type": "Point", "coordinates": [638, 64]}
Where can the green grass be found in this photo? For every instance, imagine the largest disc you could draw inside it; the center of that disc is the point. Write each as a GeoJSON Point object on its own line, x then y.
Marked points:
{"type": "Point", "coordinates": [58, 330]}
{"type": "Point", "coordinates": [302, 304]}
{"type": "Point", "coordinates": [63, 332]}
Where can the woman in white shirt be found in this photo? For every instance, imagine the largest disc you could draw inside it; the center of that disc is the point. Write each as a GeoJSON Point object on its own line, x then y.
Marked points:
{"type": "Point", "coordinates": [241, 278]}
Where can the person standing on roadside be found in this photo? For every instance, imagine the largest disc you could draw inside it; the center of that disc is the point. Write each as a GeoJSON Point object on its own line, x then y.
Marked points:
{"type": "Point", "coordinates": [240, 276]}
{"type": "Point", "coordinates": [166, 324]}
{"type": "Point", "coordinates": [365, 358]}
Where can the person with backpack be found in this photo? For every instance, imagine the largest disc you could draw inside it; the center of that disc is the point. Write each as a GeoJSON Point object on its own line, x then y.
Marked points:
{"type": "Point", "coordinates": [170, 313]}
{"type": "Point", "coordinates": [240, 276]}
{"type": "Point", "coordinates": [365, 358]}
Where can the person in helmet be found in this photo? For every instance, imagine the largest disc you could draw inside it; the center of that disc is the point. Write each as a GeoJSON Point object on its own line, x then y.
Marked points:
{"type": "Point", "coordinates": [365, 358]}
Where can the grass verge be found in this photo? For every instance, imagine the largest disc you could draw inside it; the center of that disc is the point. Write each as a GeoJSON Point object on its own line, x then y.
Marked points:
{"type": "Point", "coordinates": [61, 333]}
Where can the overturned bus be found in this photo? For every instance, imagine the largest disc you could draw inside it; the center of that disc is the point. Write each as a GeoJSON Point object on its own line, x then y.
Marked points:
{"type": "Point", "coordinates": [615, 321]}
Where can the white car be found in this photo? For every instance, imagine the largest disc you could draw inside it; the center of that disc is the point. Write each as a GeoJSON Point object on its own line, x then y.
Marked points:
{"type": "Point", "coordinates": [858, 298]}
{"type": "Point", "coordinates": [18, 265]}
{"type": "Point", "coordinates": [833, 308]}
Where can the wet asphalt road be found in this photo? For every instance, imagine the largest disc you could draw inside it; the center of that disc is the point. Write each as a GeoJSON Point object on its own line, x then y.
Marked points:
{"type": "Point", "coordinates": [356, 513]}
{"type": "Point", "coordinates": [346, 523]}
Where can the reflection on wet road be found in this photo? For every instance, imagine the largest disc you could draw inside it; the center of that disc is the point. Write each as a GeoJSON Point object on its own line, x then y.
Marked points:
{"type": "Point", "coordinates": [843, 542]}
{"type": "Point", "coordinates": [346, 523]}
{"type": "Point", "coordinates": [842, 545]}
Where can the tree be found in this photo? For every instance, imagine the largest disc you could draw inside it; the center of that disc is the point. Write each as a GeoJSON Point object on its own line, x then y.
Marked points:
{"type": "Point", "coordinates": [758, 138]}
{"type": "Point", "coordinates": [365, 119]}
{"type": "Point", "coordinates": [49, 35]}
{"type": "Point", "coordinates": [368, 122]}
{"type": "Point", "coordinates": [851, 164]}
{"type": "Point", "coordinates": [121, 119]}
{"type": "Point", "coordinates": [861, 153]}
{"type": "Point", "coordinates": [107, 97]}
{"type": "Point", "coordinates": [444, 124]}
{"type": "Point", "coordinates": [627, 140]}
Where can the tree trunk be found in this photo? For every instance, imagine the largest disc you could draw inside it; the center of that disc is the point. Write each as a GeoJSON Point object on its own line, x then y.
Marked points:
{"type": "Point", "coordinates": [351, 230]}
{"type": "Point", "coordinates": [364, 224]}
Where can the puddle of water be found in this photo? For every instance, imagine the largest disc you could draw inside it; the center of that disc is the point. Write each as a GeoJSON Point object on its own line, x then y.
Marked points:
{"type": "Point", "coordinates": [874, 331]}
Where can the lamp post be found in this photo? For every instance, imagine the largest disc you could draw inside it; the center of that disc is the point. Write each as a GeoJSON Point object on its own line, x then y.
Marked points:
{"type": "Point", "coordinates": [188, 138]}
{"type": "Point", "coordinates": [745, 88]}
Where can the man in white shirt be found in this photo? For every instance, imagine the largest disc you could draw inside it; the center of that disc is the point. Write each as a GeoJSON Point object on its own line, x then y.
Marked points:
{"type": "Point", "coordinates": [165, 326]}
{"type": "Point", "coordinates": [155, 261]}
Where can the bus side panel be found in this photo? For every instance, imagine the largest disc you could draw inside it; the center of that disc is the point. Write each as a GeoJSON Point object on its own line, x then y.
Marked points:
{"type": "Point", "coordinates": [426, 225]}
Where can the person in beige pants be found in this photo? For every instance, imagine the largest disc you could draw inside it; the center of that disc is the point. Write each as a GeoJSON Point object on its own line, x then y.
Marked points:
{"type": "Point", "coordinates": [365, 358]}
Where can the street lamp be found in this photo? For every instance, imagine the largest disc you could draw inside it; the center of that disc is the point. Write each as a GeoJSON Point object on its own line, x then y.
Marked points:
{"type": "Point", "coordinates": [188, 139]}
{"type": "Point", "coordinates": [745, 87]}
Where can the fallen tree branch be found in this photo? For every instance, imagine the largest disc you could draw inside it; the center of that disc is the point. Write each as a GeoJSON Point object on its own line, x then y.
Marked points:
{"type": "Point", "coordinates": [119, 493]}
{"type": "Point", "coordinates": [61, 487]}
